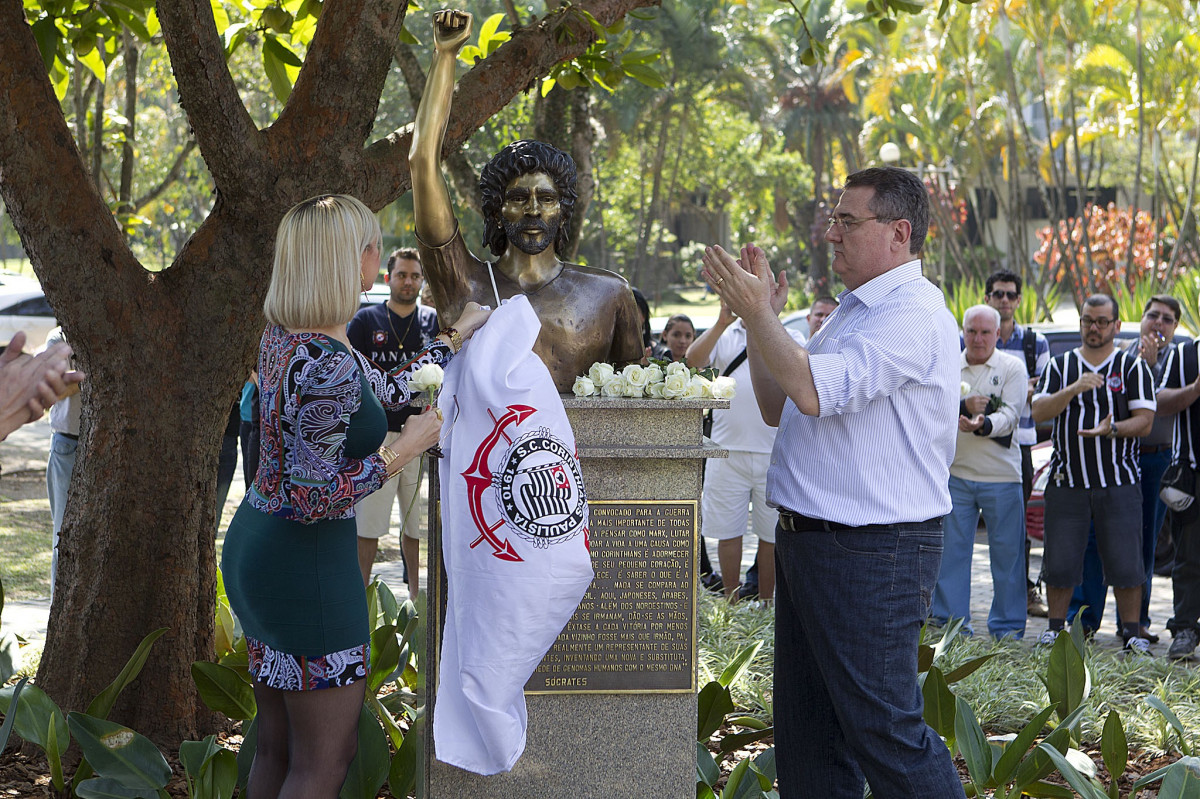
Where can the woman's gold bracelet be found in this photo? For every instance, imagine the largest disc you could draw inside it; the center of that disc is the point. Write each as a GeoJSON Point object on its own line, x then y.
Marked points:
{"type": "Point", "coordinates": [455, 337]}
{"type": "Point", "coordinates": [388, 456]}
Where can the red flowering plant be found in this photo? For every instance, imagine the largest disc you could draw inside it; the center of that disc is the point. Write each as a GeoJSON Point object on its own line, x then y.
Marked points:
{"type": "Point", "coordinates": [1097, 258]}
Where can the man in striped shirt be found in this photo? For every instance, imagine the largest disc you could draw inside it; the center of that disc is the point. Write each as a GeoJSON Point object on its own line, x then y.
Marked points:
{"type": "Point", "coordinates": [868, 417]}
{"type": "Point", "coordinates": [1177, 397]}
{"type": "Point", "coordinates": [1102, 401]}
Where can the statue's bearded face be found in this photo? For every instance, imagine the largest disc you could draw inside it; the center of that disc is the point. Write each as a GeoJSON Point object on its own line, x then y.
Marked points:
{"type": "Point", "coordinates": [531, 213]}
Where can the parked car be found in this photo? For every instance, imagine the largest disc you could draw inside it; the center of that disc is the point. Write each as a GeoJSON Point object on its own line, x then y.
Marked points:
{"type": "Point", "coordinates": [23, 306]}
{"type": "Point", "coordinates": [1035, 509]}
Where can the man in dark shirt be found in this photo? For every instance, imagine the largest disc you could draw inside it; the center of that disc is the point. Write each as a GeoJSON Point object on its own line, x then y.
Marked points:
{"type": "Point", "coordinates": [1101, 400]}
{"type": "Point", "coordinates": [390, 334]}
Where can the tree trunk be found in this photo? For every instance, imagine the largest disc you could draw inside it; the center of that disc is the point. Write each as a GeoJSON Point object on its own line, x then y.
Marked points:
{"type": "Point", "coordinates": [125, 193]}
{"type": "Point", "coordinates": [165, 352]}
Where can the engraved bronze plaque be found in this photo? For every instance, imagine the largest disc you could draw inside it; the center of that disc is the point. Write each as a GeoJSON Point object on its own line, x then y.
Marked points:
{"type": "Point", "coordinates": [635, 629]}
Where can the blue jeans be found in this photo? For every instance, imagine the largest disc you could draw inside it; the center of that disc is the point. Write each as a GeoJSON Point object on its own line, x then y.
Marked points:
{"type": "Point", "coordinates": [58, 480]}
{"type": "Point", "coordinates": [1004, 513]}
{"type": "Point", "coordinates": [849, 610]}
{"type": "Point", "coordinates": [1093, 591]}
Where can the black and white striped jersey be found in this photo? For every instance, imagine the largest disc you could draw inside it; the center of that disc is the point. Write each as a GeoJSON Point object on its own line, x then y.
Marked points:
{"type": "Point", "coordinates": [1181, 370]}
{"type": "Point", "coordinates": [1101, 462]}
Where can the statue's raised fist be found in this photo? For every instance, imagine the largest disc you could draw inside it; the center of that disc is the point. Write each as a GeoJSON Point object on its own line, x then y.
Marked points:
{"type": "Point", "coordinates": [451, 29]}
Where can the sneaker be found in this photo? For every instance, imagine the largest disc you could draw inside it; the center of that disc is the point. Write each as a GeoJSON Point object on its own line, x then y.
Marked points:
{"type": "Point", "coordinates": [712, 582]}
{"type": "Point", "coordinates": [1184, 644]}
{"type": "Point", "coordinates": [1138, 646]}
{"type": "Point", "coordinates": [1048, 637]}
{"type": "Point", "coordinates": [1036, 606]}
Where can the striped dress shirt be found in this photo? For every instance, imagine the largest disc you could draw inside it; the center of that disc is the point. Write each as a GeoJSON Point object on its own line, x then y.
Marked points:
{"type": "Point", "coordinates": [1181, 370]}
{"type": "Point", "coordinates": [886, 367]}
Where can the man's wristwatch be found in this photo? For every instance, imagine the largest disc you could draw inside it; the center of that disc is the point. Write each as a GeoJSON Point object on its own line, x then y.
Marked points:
{"type": "Point", "coordinates": [1112, 430]}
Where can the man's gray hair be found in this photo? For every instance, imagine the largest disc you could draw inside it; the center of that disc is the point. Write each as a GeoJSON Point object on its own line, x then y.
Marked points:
{"type": "Point", "coordinates": [976, 310]}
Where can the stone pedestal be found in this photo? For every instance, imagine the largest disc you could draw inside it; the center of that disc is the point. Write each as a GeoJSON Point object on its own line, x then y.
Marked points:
{"type": "Point", "coordinates": [612, 708]}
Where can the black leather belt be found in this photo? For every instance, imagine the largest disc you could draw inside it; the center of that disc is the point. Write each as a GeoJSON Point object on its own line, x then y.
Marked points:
{"type": "Point", "coordinates": [799, 523]}
{"type": "Point", "coordinates": [68, 435]}
{"type": "Point", "coordinates": [1145, 450]}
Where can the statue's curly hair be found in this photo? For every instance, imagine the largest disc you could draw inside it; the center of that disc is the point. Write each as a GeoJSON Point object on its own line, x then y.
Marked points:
{"type": "Point", "coordinates": [521, 158]}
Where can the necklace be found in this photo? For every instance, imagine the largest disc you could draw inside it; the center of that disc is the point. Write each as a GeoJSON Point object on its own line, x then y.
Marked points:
{"type": "Point", "coordinates": [400, 339]}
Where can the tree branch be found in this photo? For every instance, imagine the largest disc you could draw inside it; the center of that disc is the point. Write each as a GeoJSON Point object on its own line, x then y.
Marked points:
{"type": "Point", "coordinates": [491, 84]}
{"type": "Point", "coordinates": [171, 176]}
{"type": "Point", "coordinates": [64, 224]}
{"type": "Point", "coordinates": [336, 96]}
{"type": "Point", "coordinates": [230, 143]}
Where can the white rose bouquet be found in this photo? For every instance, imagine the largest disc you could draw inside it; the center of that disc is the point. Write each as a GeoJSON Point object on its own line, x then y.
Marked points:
{"type": "Point", "coordinates": [659, 380]}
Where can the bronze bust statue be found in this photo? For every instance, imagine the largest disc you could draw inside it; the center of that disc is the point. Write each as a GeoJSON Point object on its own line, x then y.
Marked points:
{"type": "Point", "coordinates": [528, 195]}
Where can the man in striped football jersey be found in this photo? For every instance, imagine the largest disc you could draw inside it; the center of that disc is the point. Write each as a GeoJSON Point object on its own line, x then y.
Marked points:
{"type": "Point", "coordinates": [1101, 400]}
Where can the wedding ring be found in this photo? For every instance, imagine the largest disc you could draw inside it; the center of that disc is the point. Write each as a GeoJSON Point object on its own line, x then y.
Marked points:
{"type": "Point", "coordinates": [438, 412]}
{"type": "Point", "coordinates": [720, 280]}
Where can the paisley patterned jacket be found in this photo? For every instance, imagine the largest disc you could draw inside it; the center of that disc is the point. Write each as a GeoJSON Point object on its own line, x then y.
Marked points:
{"type": "Point", "coordinates": [308, 389]}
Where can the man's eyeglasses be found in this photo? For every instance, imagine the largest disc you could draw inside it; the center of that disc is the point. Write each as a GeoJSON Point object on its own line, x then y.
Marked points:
{"type": "Point", "coordinates": [1011, 296]}
{"type": "Point", "coordinates": [1099, 324]}
{"type": "Point", "coordinates": [844, 223]}
{"type": "Point", "coordinates": [1155, 316]}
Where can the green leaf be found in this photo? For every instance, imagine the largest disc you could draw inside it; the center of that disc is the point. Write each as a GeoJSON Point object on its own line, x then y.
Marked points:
{"type": "Point", "coordinates": [939, 703]}
{"type": "Point", "coordinates": [11, 718]}
{"type": "Point", "coordinates": [194, 754]}
{"type": "Point", "coordinates": [369, 769]}
{"type": "Point", "coordinates": [733, 742]}
{"type": "Point", "coordinates": [704, 791]}
{"type": "Point", "coordinates": [1168, 714]}
{"type": "Point", "coordinates": [1114, 747]}
{"type": "Point", "coordinates": [739, 663]}
{"type": "Point", "coordinates": [276, 71]}
{"type": "Point", "coordinates": [102, 704]}
{"type": "Point", "coordinates": [904, 5]}
{"type": "Point", "coordinates": [1038, 764]}
{"type": "Point", "coordinates": [742, 784]}
{"type": "Point", "coordinates": [644, 74]}
{"type": "Point", "coordinates": [94, 62]}
{"type": "Point", "coordinates": [968, 668]}
{"type": "Point", "coordinates": [1182, 780]}
{"type": "Point", "coordinates": [48, 39]}
{"type": "Point", "coordinates": [402, 776]}
{"type": "Point", "coordinates": [106, 788]}
{"type": "Point", "coordinates": [1048, 790]}
{"type": "Point", "coordinates": [1154, 776]}
{"type": "Point", "coordinates": [972, 743]}
{"type": "Point", "coordinates": [218, 776]}
{"type": "Point", "coordinates": [281, 50]}
{"type": "Point", "coordinates": [1067, 679]}
{"type": "Point", "coordinates": [707, 770]}
{"type": "Point", "coordinates": [219, 16]}
{"type": "Point", "coordinates": [10, 650]}
{"type": "Point", "coordinates": [224, 690]}
{"type": "Point", "coordinates": [1017, 747]}
{"type": "Point", "coordinates": [54, 756]}
{"type": "Point", "coordinates": [764, 767]}
{"type": "Point", "coordinates": [119, 753]}
{"type": "Point", "coordinates": [715, 702]}
{"type": "Point", "coordinates": [245, 755]}
{"type": "Point", "coordinates": [34, 712]}
{"type": "Point", "coordinates": [1082, 785]}
{"type": "Point", "coordinates": [385, 656]}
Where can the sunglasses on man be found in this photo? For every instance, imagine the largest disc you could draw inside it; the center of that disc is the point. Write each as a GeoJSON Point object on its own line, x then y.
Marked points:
{"type": "Point", "coordinates": [1011, 296]}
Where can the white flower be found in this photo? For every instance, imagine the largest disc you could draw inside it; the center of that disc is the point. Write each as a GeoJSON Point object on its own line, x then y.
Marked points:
{"type": "Point", "coordinates": [678, 367]}
{"type": "Point", "coordinates": [964, 389]}
{"type": "Point", "coordinates": [635, 376]}
{"type": "Point", "coordinates": [615, 387]}
{"type": "Point", "coordinates": [428, 378]}
{"type": "Point", "coordinates": [632, 391]}
{"type": "Point", "coordinates": [655, 390]}
{"type": "Point", "coordinates": [654, 374]}
{"type": "Point", "coordinates": [676, 385]}
{"type": "Point", "coordinates": [601, 373]}
{"type": "Point", "coordinates": [584, 387]}
{"type": "Point", "coordinates": [724, 387]}
{"type": "Point", "coordinates": [698, 387]}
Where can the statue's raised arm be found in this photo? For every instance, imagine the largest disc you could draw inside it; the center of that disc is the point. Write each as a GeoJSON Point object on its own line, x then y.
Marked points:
{"type": "Point", "coordinates": [434, 213]}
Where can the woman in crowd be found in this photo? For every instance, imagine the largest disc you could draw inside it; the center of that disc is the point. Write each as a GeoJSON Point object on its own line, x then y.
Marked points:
{"type": "Point", "coordinates": [290, 560]}
{"type": "Point", "coordinates": [676, 337]}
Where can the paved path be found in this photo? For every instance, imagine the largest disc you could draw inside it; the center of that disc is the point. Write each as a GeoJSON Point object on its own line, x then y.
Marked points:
{"type": "Point", "coordinates": [27, 449]}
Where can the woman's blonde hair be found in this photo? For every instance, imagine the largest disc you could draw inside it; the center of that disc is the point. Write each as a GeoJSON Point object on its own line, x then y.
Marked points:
{"type": "Point", "coordinates": [317, 278]}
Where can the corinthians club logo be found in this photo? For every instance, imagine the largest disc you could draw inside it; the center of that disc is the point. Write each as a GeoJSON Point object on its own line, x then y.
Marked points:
{"type": "Point", "coordinates": [539, 489]}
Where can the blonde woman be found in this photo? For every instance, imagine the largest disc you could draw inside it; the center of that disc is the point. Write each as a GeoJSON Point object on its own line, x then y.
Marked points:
{"type": "Point", "coordinates": [290, 560]}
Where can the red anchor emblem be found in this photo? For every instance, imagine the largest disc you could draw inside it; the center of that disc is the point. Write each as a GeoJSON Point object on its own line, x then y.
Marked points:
{"type": "Point", "coordinates": [478, 477]}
